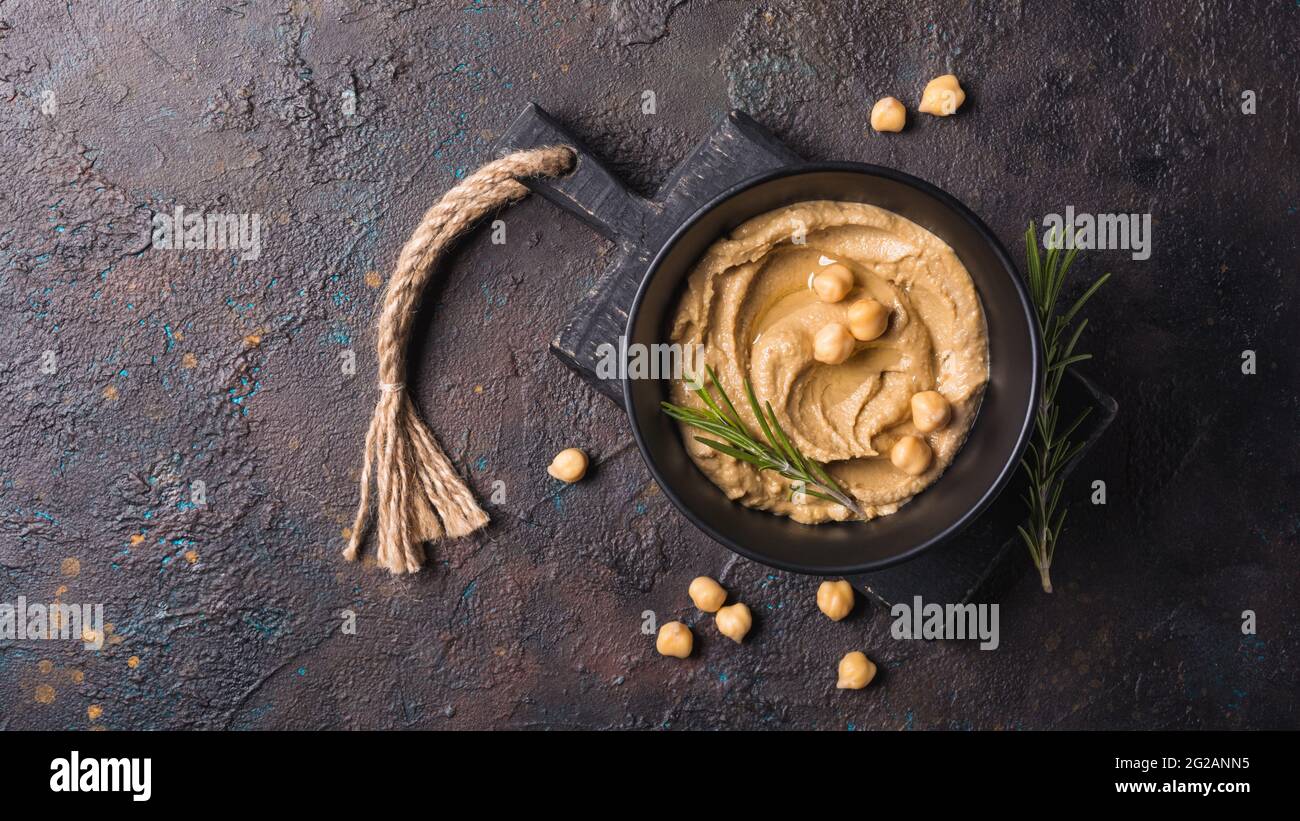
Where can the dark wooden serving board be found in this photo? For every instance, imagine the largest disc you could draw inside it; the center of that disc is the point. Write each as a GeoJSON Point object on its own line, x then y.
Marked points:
{"type": "Point", "coordinates": [975, 563]}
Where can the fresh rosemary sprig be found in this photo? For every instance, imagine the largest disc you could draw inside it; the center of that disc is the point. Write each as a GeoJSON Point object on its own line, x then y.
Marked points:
{"type": "Point", "coordinates": [776, 453]}
{"type": "Point", "coordinates": [1050, 451]}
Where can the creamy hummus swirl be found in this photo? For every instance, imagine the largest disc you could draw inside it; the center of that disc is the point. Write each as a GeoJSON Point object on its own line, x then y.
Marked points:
{"type": "Point", "coordinates": [749, 303]}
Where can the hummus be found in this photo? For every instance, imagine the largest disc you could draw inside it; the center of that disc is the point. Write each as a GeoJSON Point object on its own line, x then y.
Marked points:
{"type": "Point", "coordinates": [749, 303]}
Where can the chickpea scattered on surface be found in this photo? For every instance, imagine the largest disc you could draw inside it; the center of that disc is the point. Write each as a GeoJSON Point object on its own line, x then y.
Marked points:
{"type": "Point", "coordinates": [867, 319]}
{"type": "Point", "coordinates": [888, 114]}
{"type": "Point", "coordinates": [707, 594]}
{"type": "Point", "coordinates": [734, 621]}
{"type": "Point", "coordinates": [856, 671]}
{"type": "Point", "coordinates": [911, 455]}
{"type": "Point", "coordinates": [832, 283]}
{"type": "Point", "coordinates": [835, 599]}
{"type": "Point", "coordinates": [833, 344]}
{"type": "Point", "coordinates": [942, 96]}
{"type": "Point", "coordinates": [569, 465]}
{"type": "Point", "coordinates": [675, 639]}
{"type": "Point", "coordinates": [930, 411]}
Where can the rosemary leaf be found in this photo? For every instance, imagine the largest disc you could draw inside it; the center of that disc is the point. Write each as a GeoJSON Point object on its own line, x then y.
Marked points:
{"type": "Point", "coordinates": [734, 452]}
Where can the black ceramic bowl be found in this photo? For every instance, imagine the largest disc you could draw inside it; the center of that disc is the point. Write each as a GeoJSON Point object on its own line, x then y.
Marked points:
{"type": "Point", "coordinates": [982, 467]}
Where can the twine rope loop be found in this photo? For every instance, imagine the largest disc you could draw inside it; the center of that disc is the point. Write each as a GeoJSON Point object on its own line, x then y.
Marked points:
{"type": "Point", "coordinates": [418, 495]}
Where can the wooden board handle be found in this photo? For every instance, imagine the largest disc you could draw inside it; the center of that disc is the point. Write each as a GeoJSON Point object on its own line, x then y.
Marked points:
{"type": "Point", "coordinates": [589, 192]}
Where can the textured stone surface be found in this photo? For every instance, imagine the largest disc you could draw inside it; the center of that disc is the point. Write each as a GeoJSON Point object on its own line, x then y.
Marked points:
{"type": "Point", "coordinates": [201, 366]}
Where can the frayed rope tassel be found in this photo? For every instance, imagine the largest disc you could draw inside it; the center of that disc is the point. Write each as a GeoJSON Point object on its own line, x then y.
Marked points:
{"type": "Point", "coordinates": [419, 497]}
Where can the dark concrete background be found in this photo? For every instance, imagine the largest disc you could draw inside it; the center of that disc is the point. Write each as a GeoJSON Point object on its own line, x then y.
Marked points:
{"type": "Point", "coordinates": [199, 366]}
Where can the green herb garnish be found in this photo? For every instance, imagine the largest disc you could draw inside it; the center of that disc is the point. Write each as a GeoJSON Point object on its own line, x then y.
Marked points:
{"type": "Point", "coordinates": [774, 452]}
{"type": "Point", "coordinates": [1050, 451]}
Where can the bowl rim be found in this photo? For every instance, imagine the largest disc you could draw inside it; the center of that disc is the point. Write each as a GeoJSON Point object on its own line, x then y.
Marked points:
{"type": "Point", "coordinates": [1036, 355]}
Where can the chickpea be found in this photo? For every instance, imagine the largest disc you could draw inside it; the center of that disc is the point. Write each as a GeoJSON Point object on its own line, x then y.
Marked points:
{"type": "Point", "coordinates": [833, 344]}
{"type": "Point", "coordinates": [856, 671]}
{"type": "Point", "coordinates": [675, 640]}
{"type": "Point", "coordinates": [569, 465]}
{"type": "Point", "coordinates": [942, 96]}
{"type": "Point", "coordinates": [835, 599]}
{"type": "Point", "coordinates": [833, 282]}
{"type": "Point", "coordinates": [888, 114]}
{"type": "Point", "coordinates": [734, 621]}
{"type": "Point", "coordinates": [707, 594]}
{"type": "Point", "coordinates": [911, 455]}
{"type": "Point", "coordinates": [867, 319]}
{"type": "Point", "coordinates": [930, 411]}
